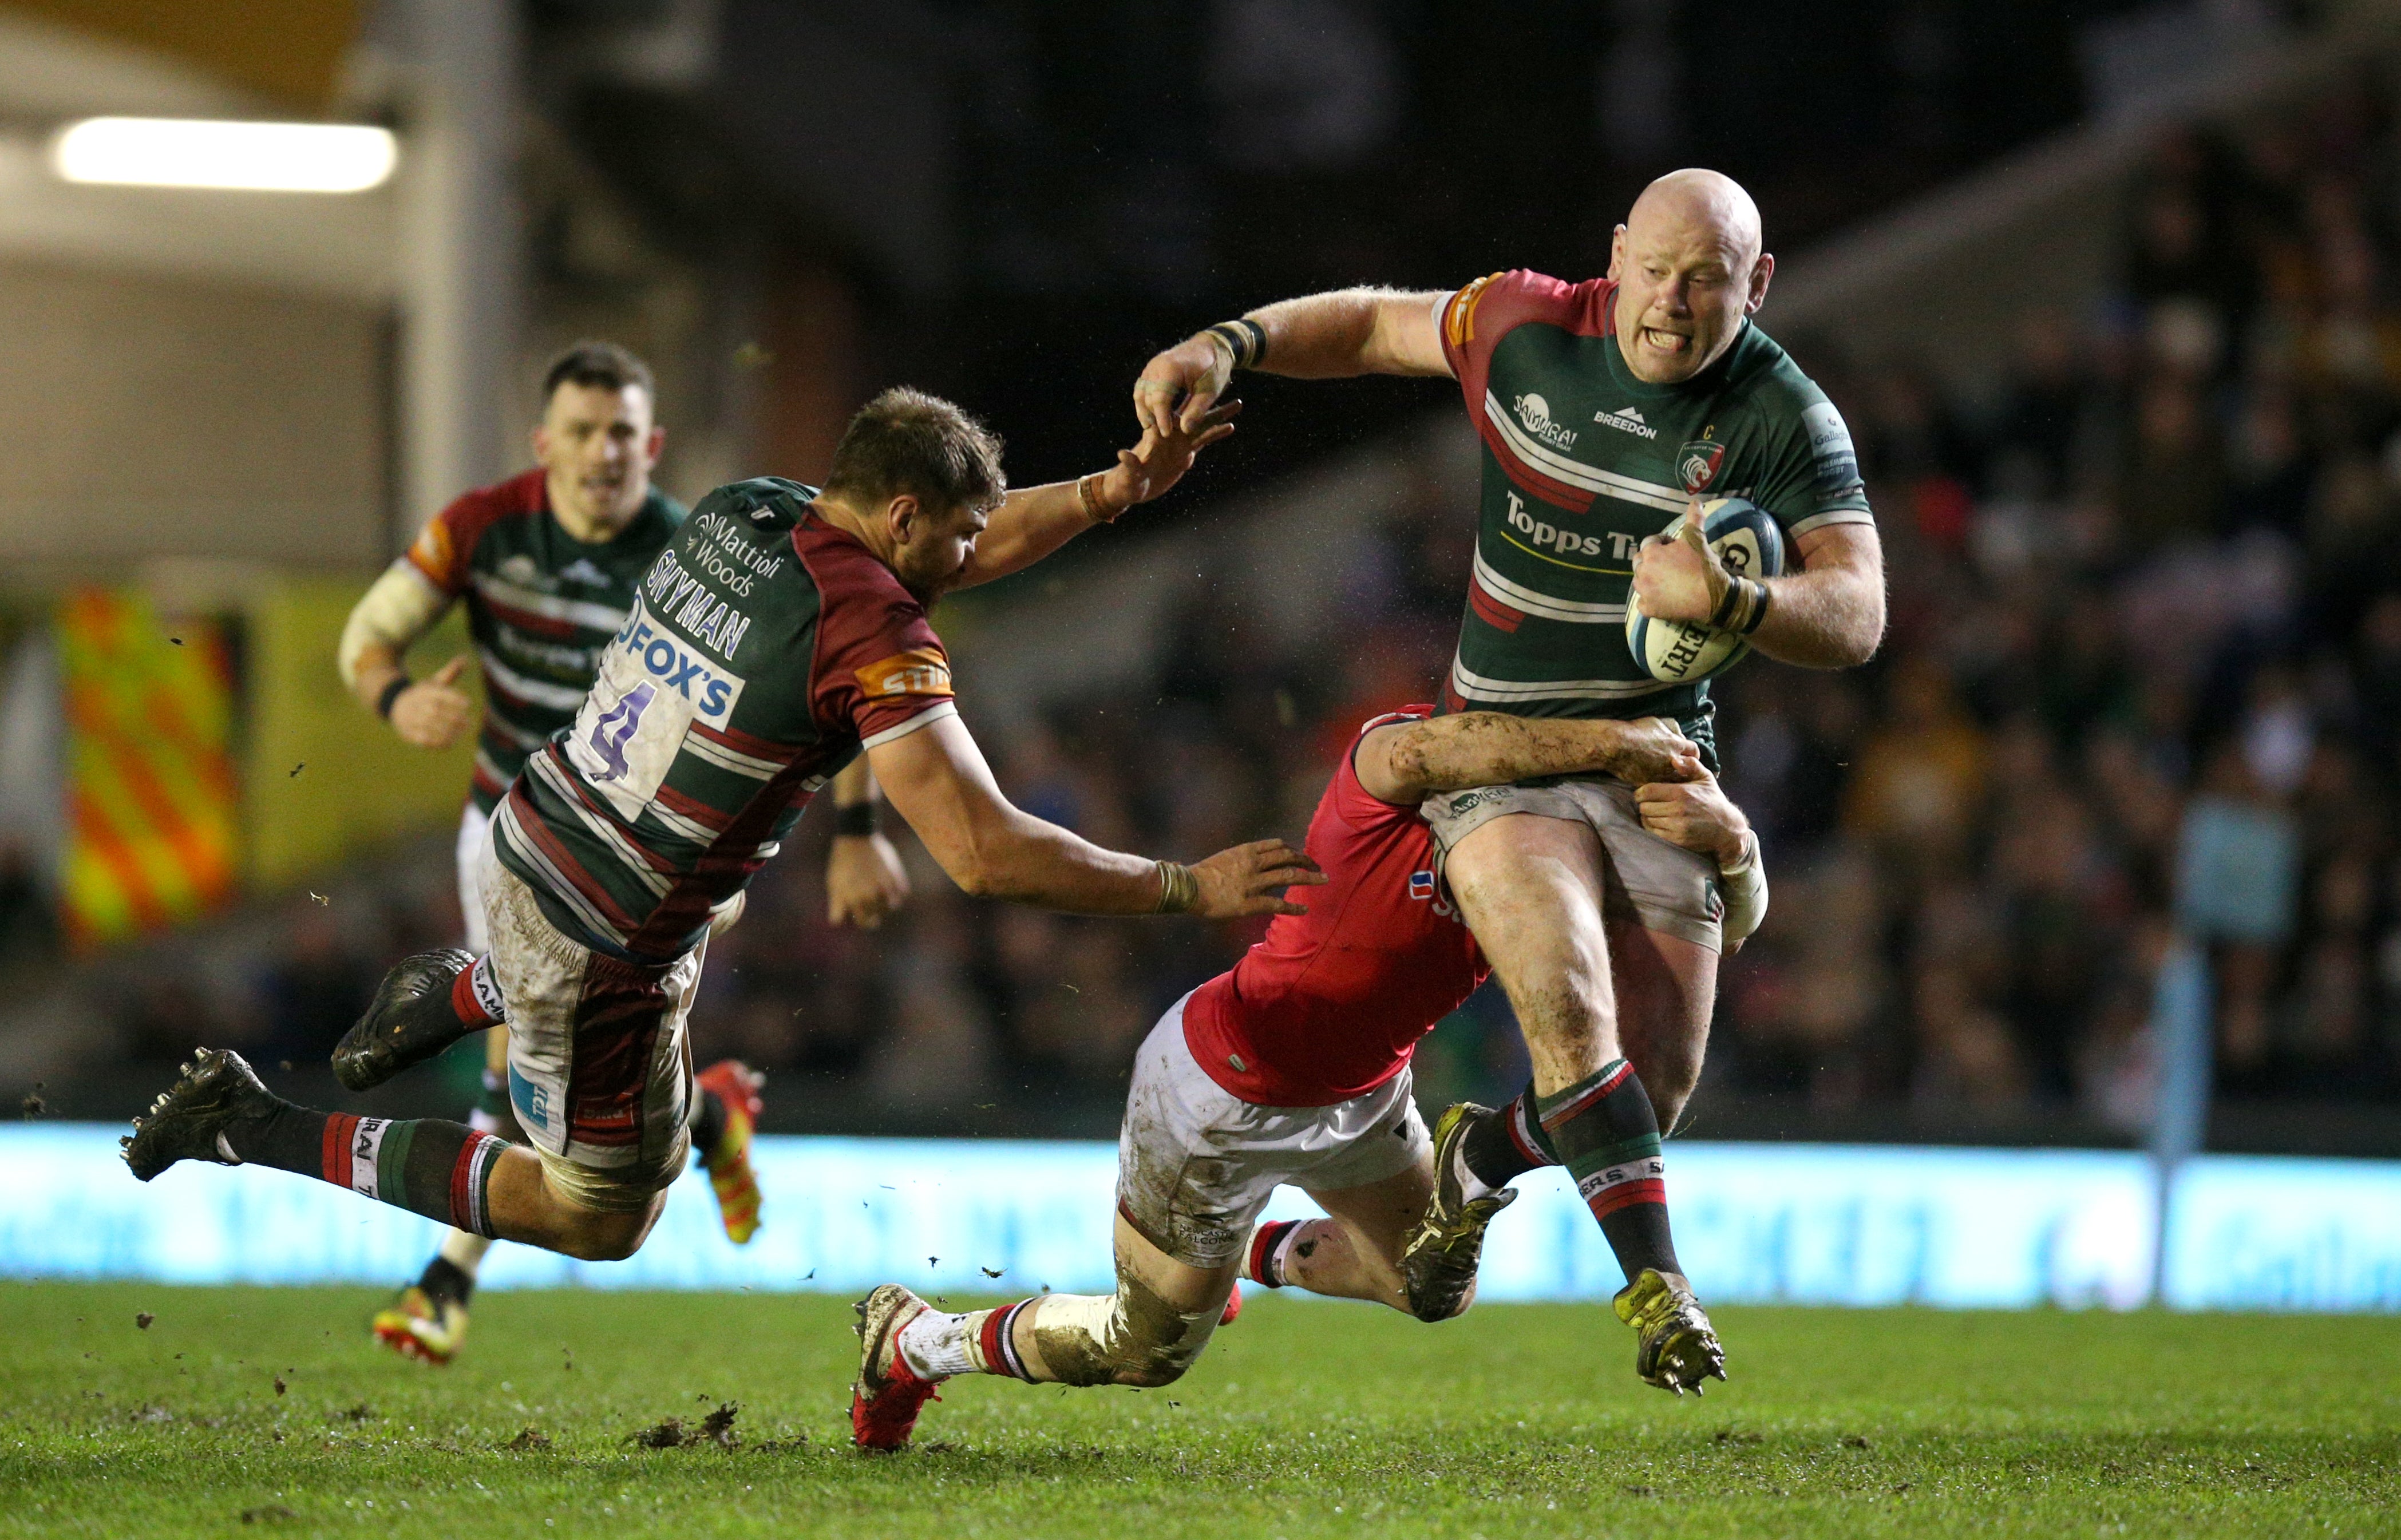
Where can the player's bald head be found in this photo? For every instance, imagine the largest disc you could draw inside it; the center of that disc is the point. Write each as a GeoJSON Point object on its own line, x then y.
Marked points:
{"type": "Point", "coordinates": [1698, 202]}
{"type": "Point", "coordinates": [1690, 268]}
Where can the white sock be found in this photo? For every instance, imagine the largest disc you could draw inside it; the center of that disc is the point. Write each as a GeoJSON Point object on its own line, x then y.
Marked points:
{"type": "Point", "coordinates": [1471, 1186]}
{"type": "Point", "coordinates": [464, 1251]}
{"type": "Point", "coordinates": [935, 1345]}
{"type": "Point", "coordinates": [1280, 1259]}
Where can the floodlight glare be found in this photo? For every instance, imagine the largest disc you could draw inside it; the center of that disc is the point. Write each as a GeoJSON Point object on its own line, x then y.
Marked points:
{"type": "Point", "coordinates": [172, 152]}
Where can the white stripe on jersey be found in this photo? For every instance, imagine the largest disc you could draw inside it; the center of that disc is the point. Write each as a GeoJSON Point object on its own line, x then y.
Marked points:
{"type": "Point", "coordinates": [558, 697]}
{"type": "Point", "coordinates": [599, 828]}
{"type": "Point", "coordinates": [1832, 517]}
{"type": "Point", "coordinates": [1574, 611]}
{"type": "Point", "coordinates": [701, 747]}
{"type": "Point", "coordinates": [596, 617]}
{"type": "Point", "coordinates": [1559, 467]}
{"type": "Point", "coordinates": [504, 826]}
{"type": "Point", "coordinates": [1475, 686]}
{"type": "Point", "coordinates": [676, 824]}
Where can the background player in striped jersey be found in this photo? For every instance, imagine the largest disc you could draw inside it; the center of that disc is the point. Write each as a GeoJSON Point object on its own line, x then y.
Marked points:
{"type": "Point", "coordinates": [1604, 408]}
{"type": "Point", "coordinates": [780, 633]}
{"type": "Point", "coordinates": [546, 563]}
{"type": "Point", "coordinates": [1294, 1068]}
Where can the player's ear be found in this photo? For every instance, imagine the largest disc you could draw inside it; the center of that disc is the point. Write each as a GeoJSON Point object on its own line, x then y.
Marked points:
{"type": "Point", "coordinates": [1761, 272]}
{"type": "Point", "coordinates": [656, 444]}
{"type": "Point", "coordinates": [902, 515]}
{"type": "Point", "coordinates": [1617, 252]}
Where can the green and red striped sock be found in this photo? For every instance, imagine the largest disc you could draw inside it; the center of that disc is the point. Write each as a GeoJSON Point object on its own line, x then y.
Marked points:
{"type": "Point", "coordinates": [426, 1165]}
{"type": "Point", "coordinates": [1607, 1136]}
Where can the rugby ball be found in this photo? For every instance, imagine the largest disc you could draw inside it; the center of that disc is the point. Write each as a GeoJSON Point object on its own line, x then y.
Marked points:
{"type": "Point", "coordinates": [1746, 538]}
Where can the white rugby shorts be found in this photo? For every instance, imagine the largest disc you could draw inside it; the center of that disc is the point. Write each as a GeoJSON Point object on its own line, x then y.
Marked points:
{"type": "Point", "coordinates": [1197, 1164]}
{"type": "Point", "coordinates": [474, 833]}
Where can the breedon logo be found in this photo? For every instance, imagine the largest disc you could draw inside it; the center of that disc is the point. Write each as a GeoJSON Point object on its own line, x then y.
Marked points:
{"type": "Point", "coordinates": [1626, 419]}
{"type": "Point", "coordinates": [1535, 413]}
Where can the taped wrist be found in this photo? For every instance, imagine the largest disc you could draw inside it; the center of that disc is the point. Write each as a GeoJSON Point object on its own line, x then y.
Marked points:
{"type": "Point", "coordinates": [390, 693]}
{"type": "Point", "coordinates": [858, 819]}
{"type": "Point", "coordinates": [1245, 339]}
{"type": "Point", "coordinates": [1742, 608]}
{"type": "Point", "coordinates": [1179, 890]}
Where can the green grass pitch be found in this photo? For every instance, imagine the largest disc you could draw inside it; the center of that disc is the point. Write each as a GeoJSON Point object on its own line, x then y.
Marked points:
{"type": "Point", "coordinates": [1304, 1419]}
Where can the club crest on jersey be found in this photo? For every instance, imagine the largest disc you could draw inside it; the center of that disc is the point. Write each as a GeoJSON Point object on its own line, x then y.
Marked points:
{"type": "Point", "coordinates": [1698, 464]}
{"type": "Point", "coordinates": [1535, 413]}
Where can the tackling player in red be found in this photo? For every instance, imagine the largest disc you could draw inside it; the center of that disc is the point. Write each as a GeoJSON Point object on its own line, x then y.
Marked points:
{"type": "Point", "coordinates": [1293, 1068]}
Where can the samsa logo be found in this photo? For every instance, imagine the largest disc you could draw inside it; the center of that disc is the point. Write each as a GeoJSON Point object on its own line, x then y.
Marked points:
{"type": "Point", "coordinates": [1535, 413]}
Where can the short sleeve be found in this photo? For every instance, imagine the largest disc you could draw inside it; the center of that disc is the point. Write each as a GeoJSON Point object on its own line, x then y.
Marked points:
{"type": "Point", "coordinates": [1473, 320]}
{"type": "Point", "coordinates": [885, 678]}
{"type": "Point", "coordinates": [1815, 480]}
{"type": "Point", "coordinates": [443, 549]}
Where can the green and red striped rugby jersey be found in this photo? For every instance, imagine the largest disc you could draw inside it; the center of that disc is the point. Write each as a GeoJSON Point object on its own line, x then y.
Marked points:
{"type": "Point", "coordinates": [765, 648]}
{"type": "Point", "coordinates": [541, 604]}
{"type": "Point", "coordinates": [1582, 460]}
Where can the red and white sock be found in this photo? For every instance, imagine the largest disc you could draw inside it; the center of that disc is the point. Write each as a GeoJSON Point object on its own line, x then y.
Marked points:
{"type": "Point", "coordinates": [475, 995]}
{"type": "Point", "coordinates": [1270, 1247]}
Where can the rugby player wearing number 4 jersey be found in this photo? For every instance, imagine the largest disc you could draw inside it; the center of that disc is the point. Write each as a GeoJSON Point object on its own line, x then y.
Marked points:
{"type": "Point", "coordinates": [1604, 408]}
{"type": "Point", "coordinates": [1293, 1068]}
{"type": "Point", "coordinates": [546, 564]}
{"type": "Point", "coordinates": [782, 632]}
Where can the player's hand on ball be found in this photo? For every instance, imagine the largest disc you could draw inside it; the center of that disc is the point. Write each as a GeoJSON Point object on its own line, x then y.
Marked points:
{"type": "Point", "coordinates": [1182, 384]}
{"type": "Point", "coordinates": [1695, 814]}
{"type": "Point", "coordinates": [1680, 578]}
{"type": "Point", "coordinates": [1651, 749]}
{"type": "Point", "coordinates": [433, 711]}
{"type": "Point", "coordinates": [1250, 879]}
{"type": "Point", "coordinates": [865, 881]}
{"type": "Point", "coordinates": [1149, 469]}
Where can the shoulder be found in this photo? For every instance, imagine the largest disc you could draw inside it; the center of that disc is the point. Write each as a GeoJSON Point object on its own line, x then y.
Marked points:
{"type": "Point", "coordinates": [445, 550]}
{"type": "Point", "coordinates": [1482, 312]}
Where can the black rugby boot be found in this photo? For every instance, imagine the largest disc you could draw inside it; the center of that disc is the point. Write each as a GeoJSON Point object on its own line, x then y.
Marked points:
{"type": "Point", "coordinates": [189, 1120]}
{"type": "Point", "coordinates": [410, 1020]}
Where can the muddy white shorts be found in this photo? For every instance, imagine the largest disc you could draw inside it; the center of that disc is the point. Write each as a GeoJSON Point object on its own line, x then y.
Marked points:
{"type": "Point", "coordinates": [1662, 886]}
{"type": "Point", "coordinates": [1196, 1164]}
{"type": "Point", "coordinates": [599, 1059]}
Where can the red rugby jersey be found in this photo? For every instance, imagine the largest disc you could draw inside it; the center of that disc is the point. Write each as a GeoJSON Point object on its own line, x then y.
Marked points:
{"type": "Point", "coordinates": [1332, 1003]}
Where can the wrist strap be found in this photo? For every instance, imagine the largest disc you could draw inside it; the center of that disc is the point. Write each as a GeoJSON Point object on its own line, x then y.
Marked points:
{"type": "Point", "coordinates": [390, 692]}
{"type": "Point", "coordinates": [1245, 339]}
{"type": "Point", "coordinates": [1179, 890]}
{"type": "Point", "coordinates": [1742, 609]}
{"type": "Point", "coordinates": [858, 819]}
{"type": "Point", "coordinates": [1091, 499]}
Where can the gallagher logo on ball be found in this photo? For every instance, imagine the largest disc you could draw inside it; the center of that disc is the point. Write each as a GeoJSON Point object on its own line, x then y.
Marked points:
{"type": "Point", "coordinates": [1698, 464]}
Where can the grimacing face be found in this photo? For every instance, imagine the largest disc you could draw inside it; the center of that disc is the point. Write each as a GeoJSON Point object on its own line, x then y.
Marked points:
{"type": "Point", "coordinates": [598, 446]}
{"type": "Point", "coordinates": [930, 547]}
{"type": "Point", "coordinates": [1684, 285]}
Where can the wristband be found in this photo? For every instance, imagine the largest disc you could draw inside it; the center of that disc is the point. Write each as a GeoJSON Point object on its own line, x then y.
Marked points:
{"type": "Point", "coordinates": [1092, 499]}
{"type": "Point", "coordinates": [858, 819]}
{"type": "Point", "coordinates": [390, 693]}
{"type": "Point", "coordinates": [1243, 337]}
{"type": "Point", "coordinates": [1179, 890]}
{"type": "Point", "coordinates": [1742, 609]}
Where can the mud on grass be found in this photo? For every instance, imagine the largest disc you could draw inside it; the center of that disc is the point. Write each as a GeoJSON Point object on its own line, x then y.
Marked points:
{"type": "Point", "coordinates": [1303, 1419]}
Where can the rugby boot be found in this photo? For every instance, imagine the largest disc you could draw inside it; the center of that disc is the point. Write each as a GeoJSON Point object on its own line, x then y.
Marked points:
{"type": "Point", "coordinates": [190, 1118]}
{"type": "Point", "coordinates": [409, 1021]}
{"type": "Point", "coordinates": [1439, 1259]}
{"type": "Point", "coordinates": [730, 1176]}
{"type": "Point", "coordinates": [1676, 1349]}
{"type": "Point", "coordinates": [887, 1395]}
{"type": "Point", "coordinates": [423, 1326]}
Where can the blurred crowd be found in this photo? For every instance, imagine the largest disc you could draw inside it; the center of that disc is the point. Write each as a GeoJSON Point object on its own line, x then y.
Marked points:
{"type": "Point", "coordinates": [2143, 680]}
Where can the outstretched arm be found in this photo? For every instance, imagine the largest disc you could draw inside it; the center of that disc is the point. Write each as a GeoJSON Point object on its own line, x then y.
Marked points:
{"type": "Point", "coordinates": [396, 610]}
{"type": "Point", "coordinates": [1033, 522]}
{"type": "Point", "coordinates": [1328, 336]}
{"type": "Point", "coordinates": [1403, 762]}
{"type": "Point", "coordinates": [937, 778]}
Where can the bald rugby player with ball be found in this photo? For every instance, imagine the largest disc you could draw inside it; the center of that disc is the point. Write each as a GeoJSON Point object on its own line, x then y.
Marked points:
{"type": "Point", "coordinates": [1606, 408]}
